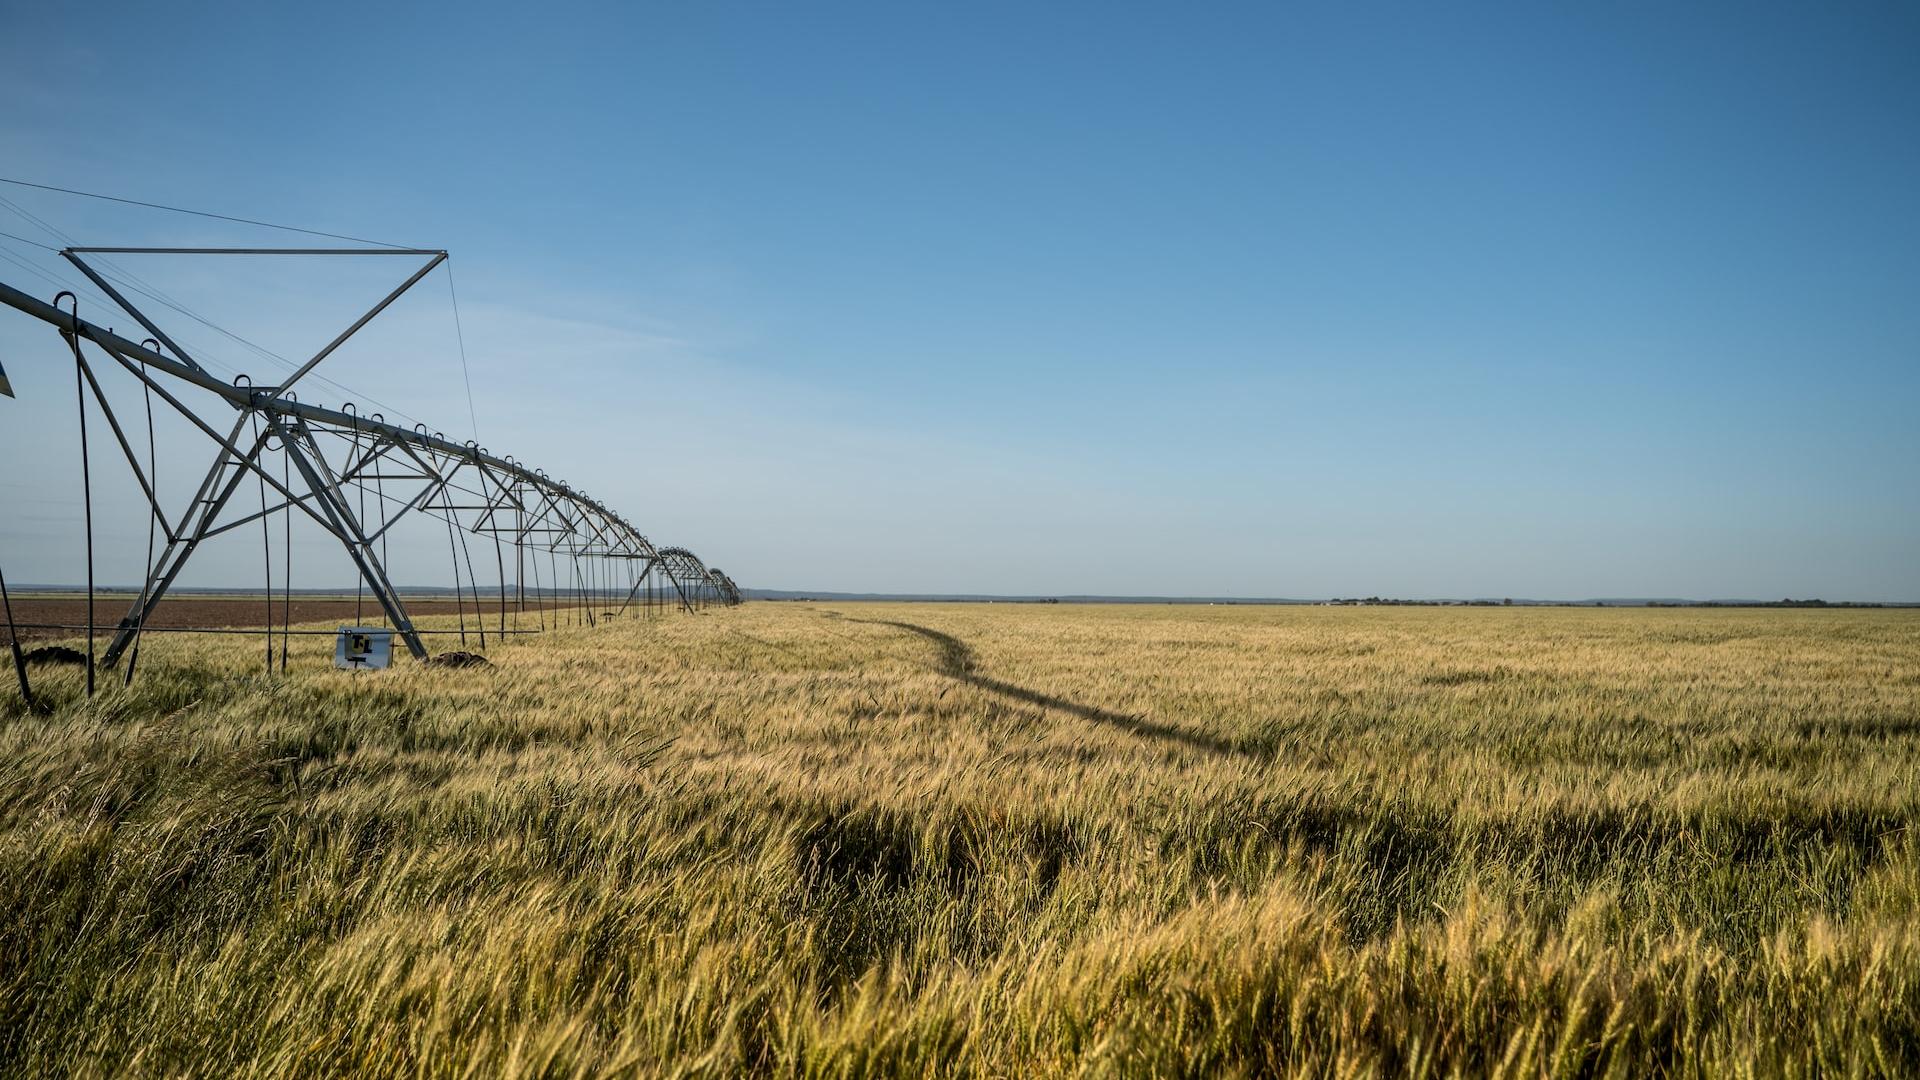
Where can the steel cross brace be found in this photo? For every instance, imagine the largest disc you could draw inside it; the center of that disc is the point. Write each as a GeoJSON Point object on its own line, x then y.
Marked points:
{"type": "Point", "coordinates": [571, 522]}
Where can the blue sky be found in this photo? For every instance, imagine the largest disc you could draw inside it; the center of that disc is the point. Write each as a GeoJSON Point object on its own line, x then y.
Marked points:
{"type": "Point", "coordinates": [1279, 300]}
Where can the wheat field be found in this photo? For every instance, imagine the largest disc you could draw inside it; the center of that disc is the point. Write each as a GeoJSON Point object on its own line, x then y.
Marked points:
{"type": "Point", "coordinates": [846, 840]}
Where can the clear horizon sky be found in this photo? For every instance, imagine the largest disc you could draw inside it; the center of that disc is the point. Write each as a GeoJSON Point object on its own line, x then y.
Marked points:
{"type": "Point", "coordinates": [1554, 301]}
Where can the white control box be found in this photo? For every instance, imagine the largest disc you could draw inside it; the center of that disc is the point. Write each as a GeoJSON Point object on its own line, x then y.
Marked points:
{"type": "Point", "coordinates": [363, 647]}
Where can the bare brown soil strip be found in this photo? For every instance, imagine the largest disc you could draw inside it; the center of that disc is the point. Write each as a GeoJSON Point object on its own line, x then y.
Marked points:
{"type": "Point", "coordinates": [201, 612]}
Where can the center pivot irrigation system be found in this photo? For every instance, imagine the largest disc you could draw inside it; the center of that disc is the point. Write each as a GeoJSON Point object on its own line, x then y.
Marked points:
{"type": "Point", "coordinates": [354, 475]}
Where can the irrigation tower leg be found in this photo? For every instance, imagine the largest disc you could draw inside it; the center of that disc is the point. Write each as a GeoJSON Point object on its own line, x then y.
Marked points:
{"type": "Point", "coordinates": [340, 513]}
{"type": "Point", "coordinates": [638, 581]}
{"type": "Point", "coordinates": [194, 522]}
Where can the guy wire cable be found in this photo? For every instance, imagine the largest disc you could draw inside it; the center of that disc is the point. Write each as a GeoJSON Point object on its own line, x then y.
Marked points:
{"type": "Point", "coordinates": [460, 336]}
{"type": "Point", "coordinates": [196, 213]}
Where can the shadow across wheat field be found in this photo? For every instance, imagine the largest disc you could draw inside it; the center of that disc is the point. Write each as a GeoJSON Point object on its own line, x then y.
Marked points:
{"type": "Point", "coordinates": [985, 840]}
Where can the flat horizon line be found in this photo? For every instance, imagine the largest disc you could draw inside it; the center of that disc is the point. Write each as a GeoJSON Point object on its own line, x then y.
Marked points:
{"type": "Point", "coordinates": [788, 595]}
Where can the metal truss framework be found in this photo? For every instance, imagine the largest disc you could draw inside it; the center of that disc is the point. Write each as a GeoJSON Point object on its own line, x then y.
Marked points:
{"type": "Point", "coordinates": [336, 460]}
{"type": "Point", "coordinates": [729, 592]}
{"type": "Point", "coordinates": [710, 586]}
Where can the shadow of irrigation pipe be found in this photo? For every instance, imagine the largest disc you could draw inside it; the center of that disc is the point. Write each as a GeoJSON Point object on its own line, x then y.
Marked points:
{"type": "Point", "coordinates": [957, 662]}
